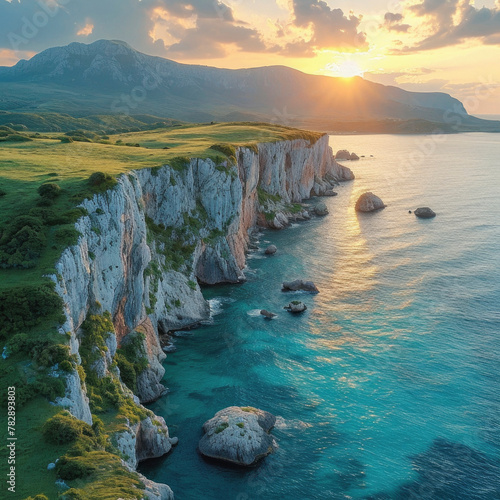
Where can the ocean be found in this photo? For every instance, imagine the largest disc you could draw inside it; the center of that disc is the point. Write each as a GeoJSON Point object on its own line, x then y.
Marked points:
{"type": "Point", "coordinates": [388, 386]}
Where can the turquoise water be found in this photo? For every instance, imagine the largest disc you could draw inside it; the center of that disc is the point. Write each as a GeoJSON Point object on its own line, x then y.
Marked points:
{"type": "Point", "coordinates": [388, 387]}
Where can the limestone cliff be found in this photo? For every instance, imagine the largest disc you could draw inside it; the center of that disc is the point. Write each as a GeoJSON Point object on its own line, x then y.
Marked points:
{"type": "Point", "coordinates": [146, 244]}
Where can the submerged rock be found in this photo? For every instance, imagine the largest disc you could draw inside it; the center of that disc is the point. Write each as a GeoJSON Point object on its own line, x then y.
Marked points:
{"type": "Point", "coordinates": [321, 209]}
{"type": "Point", "coordinates": [268, 314]}
{"type": "Point", "coordinates": [271, 250]}
{"type": "Point", "coordinates": [425, 213]}
{"type": "Point", "coordinates": [296, 307]}
{"type": "Point", "coordinates": [299, 285]}
{"type": "Point", "coordinates": [368, 202]}
{"type": "Point", "coordinates": [239, 435]}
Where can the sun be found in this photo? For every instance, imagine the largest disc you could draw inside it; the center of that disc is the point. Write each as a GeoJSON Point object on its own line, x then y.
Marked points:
{"type": "Point", "coordinates": [345, 69]}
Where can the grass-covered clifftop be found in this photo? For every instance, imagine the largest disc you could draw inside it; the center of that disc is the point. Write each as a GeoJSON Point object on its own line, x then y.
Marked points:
{"type": "Point", "coordinates": [43, 178]}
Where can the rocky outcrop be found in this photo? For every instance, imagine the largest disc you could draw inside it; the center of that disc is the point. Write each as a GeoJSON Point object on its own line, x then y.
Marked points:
{"type": "Point", "coordinates": [238, 435]}
{"type": "Point", "coordinates": [425, 213]}
{"type": "Point", "coordinates": [156, 491]}
{"type": "Point", "coordinates": [368, 202]}
{"type": "Point", "coordinates": [354, 157]}
{"type": "Point", "coordinates": [299, 285]}
{"type": "Point", "coordinates": [75, 399]}
{"type": "Point", "coordinates": [343, 154]}
{"type": "Point", "coordinates": [144, 440]}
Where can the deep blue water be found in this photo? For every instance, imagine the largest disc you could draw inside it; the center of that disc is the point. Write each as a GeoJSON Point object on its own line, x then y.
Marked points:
{"type": "Point", "coordinates": [388, 387]}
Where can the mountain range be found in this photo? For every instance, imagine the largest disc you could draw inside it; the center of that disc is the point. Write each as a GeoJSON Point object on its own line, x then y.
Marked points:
{"type": "Point", "coordinates": [109, 77]}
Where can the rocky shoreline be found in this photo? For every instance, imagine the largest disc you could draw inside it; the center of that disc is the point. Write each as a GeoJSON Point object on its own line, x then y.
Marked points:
{"type": "Point", "coordinates": [124, 263]}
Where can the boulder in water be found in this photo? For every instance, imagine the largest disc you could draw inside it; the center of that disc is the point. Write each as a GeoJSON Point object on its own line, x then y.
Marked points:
{"type": "Point", "coordinates": [354, 157]}
{"type": "Point", "coordinates": [368, 202]}
{"type": "Point", "coordinates": [239, 435]}
{"type": "Point", "coordinates": [299, 285]}
{"type": "Point", "coordinates": [268, 314]}
{"type": "Point", "coordinates": [271, 250]}
{"type": "Point", "coordinates": [321, 209]}
{"type": "Point", "coordinates": [425, 213]}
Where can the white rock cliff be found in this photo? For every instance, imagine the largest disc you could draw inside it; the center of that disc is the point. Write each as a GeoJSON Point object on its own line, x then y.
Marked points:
{"type": "Point", "coordinates": [121, 264]}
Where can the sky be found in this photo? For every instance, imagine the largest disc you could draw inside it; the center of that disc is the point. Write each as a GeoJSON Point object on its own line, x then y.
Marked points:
{"type": "Point", "coordinates": [449, 46]}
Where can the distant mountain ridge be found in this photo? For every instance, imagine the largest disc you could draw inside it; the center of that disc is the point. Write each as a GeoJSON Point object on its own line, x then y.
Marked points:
{"type": "Point", "coordinates": [112, 77]}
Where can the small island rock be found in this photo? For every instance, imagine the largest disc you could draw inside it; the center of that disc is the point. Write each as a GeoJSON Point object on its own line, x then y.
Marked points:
{"type": "Point", "coordinates": [425, 213]}
{"type": "Point", "coordinates": [239, 435]}
{"type": "Point", "coordinates": [321, 209]}
{"type": "Point", "coordinates": [296, 307]}
{"type": "Point", "coordinates": [271, 250]}
{"type": "Point", "coordinates": [343, 154]}
{"type": "Point", "coordinates": [354, 157]}
{"type": "Point", "coordinates": [268, 314]}
{"type": "Point", "coordinates": [368, 202]}
{"type": "Point", "coordinates": [299, 285]}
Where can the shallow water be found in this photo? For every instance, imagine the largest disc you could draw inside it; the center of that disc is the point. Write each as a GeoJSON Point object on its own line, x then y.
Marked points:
{"type": "Point", "coordinates": [388, 387]}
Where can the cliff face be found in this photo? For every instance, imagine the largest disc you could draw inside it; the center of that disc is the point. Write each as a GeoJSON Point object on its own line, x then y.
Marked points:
{"type": "Point", "coordinates": [146, 244]}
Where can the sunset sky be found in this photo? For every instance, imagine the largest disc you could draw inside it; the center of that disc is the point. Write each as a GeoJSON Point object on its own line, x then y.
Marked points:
{"type": "Point", "coordinates": [451, 46]}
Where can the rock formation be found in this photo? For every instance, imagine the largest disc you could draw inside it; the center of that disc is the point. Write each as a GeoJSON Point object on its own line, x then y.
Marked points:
{"type": "Point", "coordinates": [368, 202]}
{"type": "Point", "coordinates": [321, 209]}
{"type": "Point", "coordinates": [299, 285]}
{"type": "Point", "coordinates": [267, 314]}
{"type": "Point", "coordinates": [343, 154]}
{"type": "Point", "coordinates": [296, 307]}
{"type": "Point", "coordinates": [238, 435]}
{"type": "Point", "coordinates": [354, 157]}
{"type": "Point", "coordinates": [425, 213]}
{"type": "Point", "coordinates": [271, 250]}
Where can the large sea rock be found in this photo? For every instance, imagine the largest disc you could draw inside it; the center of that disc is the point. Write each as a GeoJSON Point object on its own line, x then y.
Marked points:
{"type": "Point", "coordinates": [343, 154]}
{"type": "Point", "coordinates": [425, 213]}
{"type": "Point", "coordinates": [299, 285]}
{"type": "Point", "coordinates": [239, 435]}
{"type": "Point", "coordinates": [368, 202]}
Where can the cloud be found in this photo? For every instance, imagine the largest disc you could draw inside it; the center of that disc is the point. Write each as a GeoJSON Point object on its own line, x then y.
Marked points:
{"type": "Point", "coordinates": [210, 39]}
{"type": "Point", "coordinates": [331, 29]}
{"type": "Point", "coordinates": [10, 57]}
{"type": "Point", "coordinates": [392, 23]}
{"type": "Point", "coordinates": [406, 77]}
{"type": "Point", "coordinates": [456, 21]}
{"type": "Point", "coordinates": [86, 30]}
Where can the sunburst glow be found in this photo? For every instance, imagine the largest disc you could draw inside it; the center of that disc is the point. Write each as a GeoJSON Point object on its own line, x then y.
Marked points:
{"type": "Point", "coordinates": [345, 69]}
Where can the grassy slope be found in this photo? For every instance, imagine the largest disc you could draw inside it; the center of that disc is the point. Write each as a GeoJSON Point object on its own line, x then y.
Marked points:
{"type": "Point", "coordinates": [25, 166]}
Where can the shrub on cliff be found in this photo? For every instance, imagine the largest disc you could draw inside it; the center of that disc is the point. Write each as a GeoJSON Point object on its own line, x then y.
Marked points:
{"type": "Point", "coordinates": [69, 468]}
{"type": "Point", "coordinates": [63, 428]}
{"type": "Point", "coordinates": [52, 355]}
{"type": "Point", "coordinates": [100, 182]}
{"type": "Point", "coordinates": [25, 307]}
{"type": "Point", "coordinates": [21, 242]}
{"type": "Point", "coordinates": [50, 190]}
